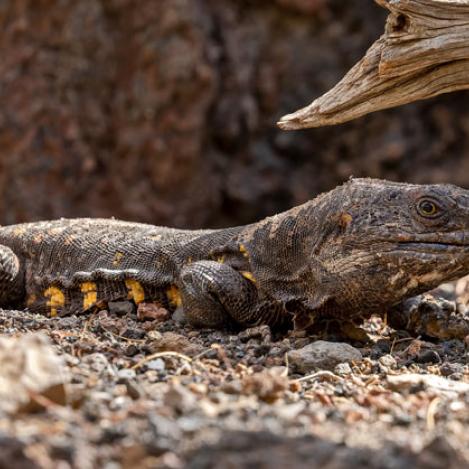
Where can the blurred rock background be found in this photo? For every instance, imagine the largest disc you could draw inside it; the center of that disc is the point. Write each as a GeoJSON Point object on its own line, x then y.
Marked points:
{"type": "Point", "coordinates": [164, 111]}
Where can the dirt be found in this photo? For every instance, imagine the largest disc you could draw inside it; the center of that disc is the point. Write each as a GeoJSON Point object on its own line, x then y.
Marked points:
{"type": "Point", "coordinates": [150, 392]}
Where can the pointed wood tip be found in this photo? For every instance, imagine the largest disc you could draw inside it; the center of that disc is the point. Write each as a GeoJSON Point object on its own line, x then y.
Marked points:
{"type": "Point", "coordinates": [301, 119]}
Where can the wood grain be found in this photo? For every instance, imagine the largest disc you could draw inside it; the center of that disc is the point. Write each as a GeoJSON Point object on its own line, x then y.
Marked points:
{"type": "Point", "coordinates": [423, 52]}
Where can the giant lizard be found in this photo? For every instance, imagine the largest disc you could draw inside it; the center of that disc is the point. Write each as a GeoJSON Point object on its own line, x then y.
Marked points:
{"type": "Point", "coordinates": [359, 249]}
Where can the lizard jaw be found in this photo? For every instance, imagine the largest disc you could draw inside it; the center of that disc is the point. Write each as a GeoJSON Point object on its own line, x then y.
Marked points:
{"type": "Point", "coordinates": [434, 247]}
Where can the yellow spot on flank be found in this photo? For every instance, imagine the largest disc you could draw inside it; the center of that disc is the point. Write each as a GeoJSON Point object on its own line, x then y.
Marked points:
{"type": "Point", "coordinates": [31, 299]}
{"type": "Point", "coordinates": [117, 258]}
{"type": "Point", "coordinates": [243, 250]}
{"type": "Point", "coordinates": [221, 259]}
{"type": "Point", "coordinates": [19, 231]}
{"type": "Point", "coordinates": [56, 299]}
{"type": "Point", "coordinates": [136, 291]}
{"type": "Point", "coordinates": [249, 276]}
{"type": "Point", "coordinates": [69, 239]}
{"type": "Point", "coordinates": [345, 220]}
{"type": "Point", "coordinates": [174, 296]}
{"type": "Point", "coordinates": [90, 297]}
{"type": "Point", "coordinates": [38, 238]}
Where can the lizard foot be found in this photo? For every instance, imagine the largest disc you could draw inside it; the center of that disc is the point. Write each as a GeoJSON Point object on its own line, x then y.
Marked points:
{"type": "Point", "coordinates": [432, 317]}
{"type": "Point", "coordinates": [215, 295]}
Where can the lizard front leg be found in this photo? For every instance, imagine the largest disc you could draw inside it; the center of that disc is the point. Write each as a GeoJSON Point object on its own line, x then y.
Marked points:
{"type": "Point", "coordinates": [215, 295]}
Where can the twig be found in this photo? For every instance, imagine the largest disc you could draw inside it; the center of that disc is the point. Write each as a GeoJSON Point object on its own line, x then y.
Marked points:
{"type": "Point", "coordinates": [320, 374]}
{"type": "Point", "coordinates": [431, 412]}
{"type": "Point", "coordinates": [285, 373]}
{"type": "Point", "coordinates": [202, 354]}
{"type": "Point", "coordinates": [398, 341]}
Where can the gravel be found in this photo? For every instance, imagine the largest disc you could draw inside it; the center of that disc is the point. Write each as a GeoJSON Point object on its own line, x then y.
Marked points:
{"type": "Point", "coordinates": [152, 393]}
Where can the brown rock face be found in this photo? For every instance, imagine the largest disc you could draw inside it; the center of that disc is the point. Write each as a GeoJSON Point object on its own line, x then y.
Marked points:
{"type": "Point", "coordinates": [164, 111]}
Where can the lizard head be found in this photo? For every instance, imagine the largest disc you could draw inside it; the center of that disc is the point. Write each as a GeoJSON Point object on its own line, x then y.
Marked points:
{"type": "Point", "coordinates": [383, 242]}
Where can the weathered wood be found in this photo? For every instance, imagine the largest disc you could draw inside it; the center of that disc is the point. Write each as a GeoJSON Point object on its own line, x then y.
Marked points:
{"type": "Point", "coordinates": [423, 52]}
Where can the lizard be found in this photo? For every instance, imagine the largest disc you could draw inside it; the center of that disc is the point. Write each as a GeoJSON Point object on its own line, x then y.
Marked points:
{"type": "Point", "coordinates": [359, 249]}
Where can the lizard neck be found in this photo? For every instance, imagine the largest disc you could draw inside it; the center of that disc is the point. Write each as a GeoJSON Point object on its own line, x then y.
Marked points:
{"type": "Point", "coordinates": [281, 250]}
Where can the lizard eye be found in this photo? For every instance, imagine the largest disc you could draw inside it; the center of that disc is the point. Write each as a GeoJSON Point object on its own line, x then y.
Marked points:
{"type": "Point", "coordinates": [428, 208]}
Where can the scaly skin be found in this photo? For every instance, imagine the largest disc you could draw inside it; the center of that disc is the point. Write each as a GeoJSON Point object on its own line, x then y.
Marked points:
{"type": "Point", "coordinates": [359, 249]}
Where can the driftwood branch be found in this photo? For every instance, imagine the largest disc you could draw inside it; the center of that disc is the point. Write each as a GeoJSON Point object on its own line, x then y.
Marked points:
{"type": "Point", "coordinates": [423, 52]}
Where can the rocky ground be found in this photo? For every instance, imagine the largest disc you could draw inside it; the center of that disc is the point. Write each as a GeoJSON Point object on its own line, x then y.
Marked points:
{"type": "Point", "coordinates": [126, 388]}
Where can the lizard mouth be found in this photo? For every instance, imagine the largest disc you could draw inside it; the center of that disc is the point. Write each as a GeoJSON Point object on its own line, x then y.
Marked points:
{"type": "Point", "coordinates": [434, 247]}
{"type": "Point", "coordinates": [457, 241]}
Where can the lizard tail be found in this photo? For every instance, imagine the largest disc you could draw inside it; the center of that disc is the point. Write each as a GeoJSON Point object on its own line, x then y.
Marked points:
{"type": "Point", "coordinates": [9, 270]}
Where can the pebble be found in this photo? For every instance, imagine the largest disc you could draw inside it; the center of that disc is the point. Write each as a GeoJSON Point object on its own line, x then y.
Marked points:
{"type": "Point", "coordinates": [323, 355]}
{"type": "Point", "coordinates": [456, 376]}
{"type": "Point", "coordinates": [428, 356]}
{"type": "Point", "coordinates": [158, 364]}
{"type": "Point", "coordinates": [154, 335]}
{"type": "Point", "coordinates": [343, 369]}
{"type": "Point", "coordinates": [126, 373]}
{"type": "Point", "coordinates": [448, 369]}
{"type": "Point", "coordinates": [377, 350]}
{"type": "Point", "coordinates": [30, 366]}
{"type": "Point", "coordinates": [152, 311]}
{"type": "Point", "coordinates": [388, 361]}
{"type": "Point", "coordinates": [121, 308]}
{"type": "Point", "coordinates": [181, 399]}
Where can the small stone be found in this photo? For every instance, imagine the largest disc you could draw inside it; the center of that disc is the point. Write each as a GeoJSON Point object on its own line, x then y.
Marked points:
{"type": "Point", "coordinates": [380, 348]}
{"type": "Point", "coordinates": [152, 311]}
{"type": "Point", "coordinates": [97, 362]}
{"type": "Point", "coordinates": [154, 335]}
{"type": "Point", "coordinates": [126, 373]}
{"type": "Point", "coordinates": [121, 308]}
{"type": "Point", "coordinates": [157, 364]}
{"type": "Point", "coordinates": [403, 419]}
{"type": "Point", "coordinates": [133, 333]}
{"type": "Point", "coordinates": [388, 361]}
{"type": "Point", "coordinates": [134, 390]}
{"type": "Point", "coordinates": [181, 399]}
{"type": "Point", "coordinates": [14, 453]}
{"type": "Point", "coordinates": [449, 368]}
{"type": "Point", "coordinates": [171, 341]}
{"type": "Point", "coordinates": [456, 376]}
{"type": "Point", "coordinates": [30, 366]}
{"type": "Point", "coordinates": [324, 355]}
{"type": "Point", "coordinates": [268, 385]}
{"type": "Point", "coordinates": [343, 369]}
{"type": "Point", "coordinates": [428, 356]}
{"type": "Point", "coordinates": [131, 350]}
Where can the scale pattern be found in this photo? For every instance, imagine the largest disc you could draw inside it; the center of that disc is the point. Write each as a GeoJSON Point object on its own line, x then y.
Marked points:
{"type": "Point", "coordinates": [354, 251]}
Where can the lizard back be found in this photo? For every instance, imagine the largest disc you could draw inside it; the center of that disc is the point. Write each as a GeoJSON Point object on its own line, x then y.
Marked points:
{"type": "Point", "coordinates": [72, 265]}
